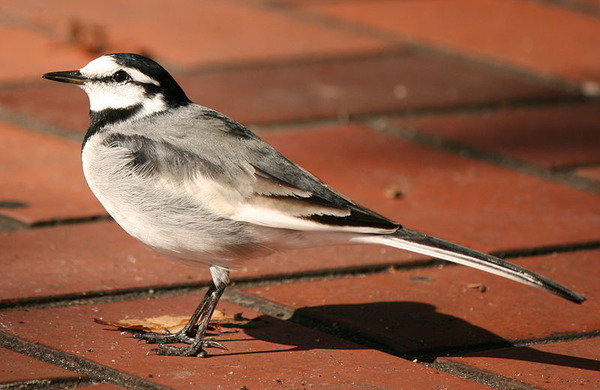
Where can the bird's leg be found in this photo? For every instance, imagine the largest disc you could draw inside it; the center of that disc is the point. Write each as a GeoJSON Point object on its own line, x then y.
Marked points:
{"type": "Point", "coordinates": [199, 321]}
{"type": "Point", "coordinates": [186, 334]}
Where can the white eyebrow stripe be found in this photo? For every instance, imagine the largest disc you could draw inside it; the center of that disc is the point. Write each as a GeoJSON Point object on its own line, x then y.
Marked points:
{"type": "Point", "coordinates": [100, 67]}
{"type": "Point", "coordinates": [138, 76]}
{"type": "Point", "coordinates": [105, 66]}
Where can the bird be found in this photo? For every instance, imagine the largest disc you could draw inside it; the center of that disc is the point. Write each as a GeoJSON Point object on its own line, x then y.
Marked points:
{"type": "Point", "coordinates": [197, 186]}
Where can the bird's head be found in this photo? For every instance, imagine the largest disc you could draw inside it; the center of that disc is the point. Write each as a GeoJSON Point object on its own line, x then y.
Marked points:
{"type": "Point", "coordinates": [125, 81]}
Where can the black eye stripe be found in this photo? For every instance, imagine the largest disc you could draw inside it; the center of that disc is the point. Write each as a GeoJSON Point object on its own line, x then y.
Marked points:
{"type": "Point", "coordinates": [113, 78]}
{"type": "Point", "coordinates": [117, 77]}
{"type": "Point", "coordinates": [106, 79]}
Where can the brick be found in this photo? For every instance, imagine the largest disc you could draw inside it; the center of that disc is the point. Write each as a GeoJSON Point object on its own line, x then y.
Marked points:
{"type": "Point", "coordinates": [41, 178]}
{"type": "Point", "coordinates": [437, 310]}
{"type": "Point", "coordinates": [63, 106]}
{"type": "Point", "coordinates": [479, 28]}
{"type": "Point", "coordinates": [27, 53]}
{"type": "Point", "coordinates": [571, 364]}
{"type": "Point", "coordinates": [372, 85]}
{"type": "Point", "coordinates": [381, 162]}
{"type": "Point", "coordinates": [269, 353]}
{"type": "Point", "coordinates": [553, 137]}
{"type": "Point", "coordinates": [209, 33]}
{"type": "Point", "coordinates": [83, 259]}
{"type": "Point", "coordinates": [591, 172]}
{"type": "Point", "coordinates": [440, 190]}
{"type": "Point", "coordinates": [305, 91]}
{"type": "Point", "coordinates": [101, 257]}
{"type": "Point", "coordinates": [15, 367]}
{"type": "Point", "coordinates": [438, 193]}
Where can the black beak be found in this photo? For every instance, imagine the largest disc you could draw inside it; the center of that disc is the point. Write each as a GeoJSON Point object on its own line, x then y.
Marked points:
{"type": "Point", "coordinates": [70, 76]}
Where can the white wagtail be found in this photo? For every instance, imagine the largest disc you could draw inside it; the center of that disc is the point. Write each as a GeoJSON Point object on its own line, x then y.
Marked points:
{"type": "Point", "coordinates": [197, 186]}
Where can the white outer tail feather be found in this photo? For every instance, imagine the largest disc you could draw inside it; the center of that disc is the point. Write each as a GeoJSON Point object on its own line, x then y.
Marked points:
{"type": "Point", "coordinates": [431, 246]}
{"type": "Point", "coordinates": [454, 257]}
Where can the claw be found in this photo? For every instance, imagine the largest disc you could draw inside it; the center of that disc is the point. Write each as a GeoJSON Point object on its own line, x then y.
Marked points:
{"type": "Point", "coordinates": [153, 351]}
{"type": "Point", "coordinates": [213, 344]}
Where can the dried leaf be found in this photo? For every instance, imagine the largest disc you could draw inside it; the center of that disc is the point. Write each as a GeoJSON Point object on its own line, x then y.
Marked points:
{"type": "Point", "coordinates": [219, 322]}
{"type": "Point", "coordinates": [219, 316]}
{"type": "Point", "coordinates": [161, 324]}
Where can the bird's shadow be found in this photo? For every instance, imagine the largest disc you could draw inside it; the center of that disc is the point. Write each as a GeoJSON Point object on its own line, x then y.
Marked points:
{"type": "Point", "coordinates": [406, 329]}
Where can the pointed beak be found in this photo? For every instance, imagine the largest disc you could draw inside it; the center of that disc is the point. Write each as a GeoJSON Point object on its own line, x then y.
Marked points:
{"type": "Point", "coordinates": [70, 76]}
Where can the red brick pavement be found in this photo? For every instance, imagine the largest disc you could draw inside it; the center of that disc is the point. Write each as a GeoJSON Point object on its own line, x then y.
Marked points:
{"type": "Point", "coordinates": [475, 121]}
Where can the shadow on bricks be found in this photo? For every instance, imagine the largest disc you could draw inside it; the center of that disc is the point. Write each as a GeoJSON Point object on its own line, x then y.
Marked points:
{"type": "Point", "coordinates": [410, 330]}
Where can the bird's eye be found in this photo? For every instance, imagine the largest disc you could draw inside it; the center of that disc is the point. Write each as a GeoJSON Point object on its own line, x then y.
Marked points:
{"type": "Point", "coordinates": [121, 76]}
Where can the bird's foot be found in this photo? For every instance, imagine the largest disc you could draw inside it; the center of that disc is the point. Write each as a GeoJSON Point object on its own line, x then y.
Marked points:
{"type": "Point", "coordinates": [164, 338]}
{"type": "Point", "coordinates": [196, 349]}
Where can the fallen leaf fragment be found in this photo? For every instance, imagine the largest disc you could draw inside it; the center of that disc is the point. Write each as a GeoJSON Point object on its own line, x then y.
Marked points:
{"type": "Point", "coordinates": [161, 324]}
{"type": "Point", "coordinates": [219, 322]}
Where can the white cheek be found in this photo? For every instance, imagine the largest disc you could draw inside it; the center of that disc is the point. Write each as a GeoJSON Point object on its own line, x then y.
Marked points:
{"type": "Point", "coordinates": [103, 96]}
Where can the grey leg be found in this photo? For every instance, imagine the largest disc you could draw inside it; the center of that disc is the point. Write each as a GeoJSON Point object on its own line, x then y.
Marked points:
{"type": "Point", "coordinates": [198, 322]}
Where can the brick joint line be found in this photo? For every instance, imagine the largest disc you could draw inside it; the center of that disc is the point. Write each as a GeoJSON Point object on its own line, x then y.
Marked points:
{"type": "Point", "coordinates": [502, 160]}
{"type": "Point", "coordinates": [480, 376]}
{"type": "Point", "coordinates": [48, 384]}
{"type": "Point", "coordinates": [151, 292]}
{"type": "Point", "coordinates": [97, 373]}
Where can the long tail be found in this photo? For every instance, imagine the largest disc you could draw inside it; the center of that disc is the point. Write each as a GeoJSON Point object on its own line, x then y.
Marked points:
{"type": "Point", "coordinates": [435, 247]}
